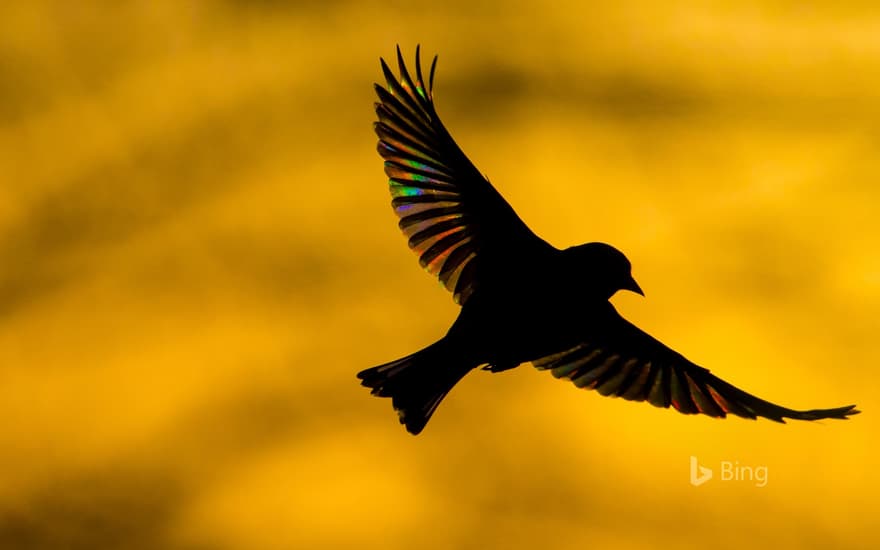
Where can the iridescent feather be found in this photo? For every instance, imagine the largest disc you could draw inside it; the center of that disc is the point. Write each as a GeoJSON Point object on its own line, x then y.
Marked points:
{"type": "Point", "coordinates": [426, 196]}
{"type": "Point", "coordinates": [687, 388]}
{"type": "Point", "coordinates": [449, 212]}
{"type": "Point", "coordinates": [649, 371]}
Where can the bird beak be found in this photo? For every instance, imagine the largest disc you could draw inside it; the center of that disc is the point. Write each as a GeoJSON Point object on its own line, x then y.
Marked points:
{"type": "Point", "coordinates": [634, 286]}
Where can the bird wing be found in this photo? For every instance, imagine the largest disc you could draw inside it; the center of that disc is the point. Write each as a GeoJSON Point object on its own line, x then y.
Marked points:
{"type": "Point", "coordinates": [462, 229]}
{"type": "Point", "coordinates": [620, 360]}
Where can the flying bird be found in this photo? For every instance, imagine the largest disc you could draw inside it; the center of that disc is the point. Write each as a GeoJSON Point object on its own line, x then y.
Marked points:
{"type": "Point", "coordinates": [522, 300]}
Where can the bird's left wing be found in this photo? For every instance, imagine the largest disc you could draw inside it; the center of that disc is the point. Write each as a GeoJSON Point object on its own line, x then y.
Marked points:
{"type": "Point", "coordinates": [462, 229]}
{"type": "Point", "coordinates": [618, 359]}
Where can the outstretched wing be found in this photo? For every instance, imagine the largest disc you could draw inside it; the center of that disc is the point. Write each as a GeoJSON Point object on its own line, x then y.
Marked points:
{"type": "Point", "coordinates": [621, 360]}
{"type": "Point", "coordinates": [462, 229]}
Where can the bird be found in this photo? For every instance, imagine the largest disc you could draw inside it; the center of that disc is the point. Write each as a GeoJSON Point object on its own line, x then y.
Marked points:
{"type": "Point", "coordinates": [522, 300]}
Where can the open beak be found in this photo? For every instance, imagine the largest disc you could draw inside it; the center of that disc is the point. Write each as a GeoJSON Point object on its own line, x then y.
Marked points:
{"type": "Point", "coordinates": [634, 286]}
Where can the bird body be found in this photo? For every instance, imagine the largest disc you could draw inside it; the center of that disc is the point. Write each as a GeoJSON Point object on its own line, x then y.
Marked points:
{"type": "Point", "coordinates": [522, 299]}
{"type": "Point", "coordinates": [503, 326]}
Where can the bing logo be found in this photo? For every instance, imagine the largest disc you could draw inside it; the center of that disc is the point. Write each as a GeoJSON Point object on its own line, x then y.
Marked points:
{"type": "Point", "coordinates": [730, 471]}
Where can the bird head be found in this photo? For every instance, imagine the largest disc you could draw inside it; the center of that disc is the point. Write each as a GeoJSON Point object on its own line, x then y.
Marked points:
{"type": "Point", "coordinates": [605, 267]}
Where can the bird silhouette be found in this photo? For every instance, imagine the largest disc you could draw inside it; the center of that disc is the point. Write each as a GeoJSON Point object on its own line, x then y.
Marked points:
{"type": "Point", "coordinates": [522, 299]}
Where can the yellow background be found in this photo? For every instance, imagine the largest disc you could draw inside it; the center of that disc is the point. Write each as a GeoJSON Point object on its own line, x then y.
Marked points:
{"type": "Point", "coordinates": [197, 254]}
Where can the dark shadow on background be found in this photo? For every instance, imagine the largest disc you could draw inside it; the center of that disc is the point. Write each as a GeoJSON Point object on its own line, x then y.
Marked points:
{"type": "Point", "coordinates": [124, 508]}
{"type": "Point", "coordinates": [61, 238]}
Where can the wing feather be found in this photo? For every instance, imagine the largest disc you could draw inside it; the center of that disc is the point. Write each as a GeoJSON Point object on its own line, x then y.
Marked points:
{"type": "Point", "coordinates": [620, 360]}
{"type": "Point", "coordinates": [451, 215]}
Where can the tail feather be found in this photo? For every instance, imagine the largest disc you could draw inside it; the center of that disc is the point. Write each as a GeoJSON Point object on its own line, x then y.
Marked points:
{"type": "Point", "coordinates": [416, 383]}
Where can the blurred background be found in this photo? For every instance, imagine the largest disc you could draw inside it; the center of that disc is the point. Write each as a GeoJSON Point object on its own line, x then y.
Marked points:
{"type": "Point", "coordinates": [197, 254]}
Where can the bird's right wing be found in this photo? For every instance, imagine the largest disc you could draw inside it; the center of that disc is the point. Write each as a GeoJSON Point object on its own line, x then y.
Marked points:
{"type": "Point", "coordinates": [462, 229]}
{"type": "Point", "coordinates": [620, 360]}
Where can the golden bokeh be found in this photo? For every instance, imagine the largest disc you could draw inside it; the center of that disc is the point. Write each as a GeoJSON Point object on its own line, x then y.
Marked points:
{"type": "Point", "coordinates": [197, 254]}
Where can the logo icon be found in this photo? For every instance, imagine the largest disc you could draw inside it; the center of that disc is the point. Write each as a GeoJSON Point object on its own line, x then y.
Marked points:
{"type": "Point", "coordinates": [699, 474]}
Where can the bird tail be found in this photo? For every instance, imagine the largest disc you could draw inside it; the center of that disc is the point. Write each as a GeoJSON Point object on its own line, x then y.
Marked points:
{"type": "Point", "coordinates": [416, 383]}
